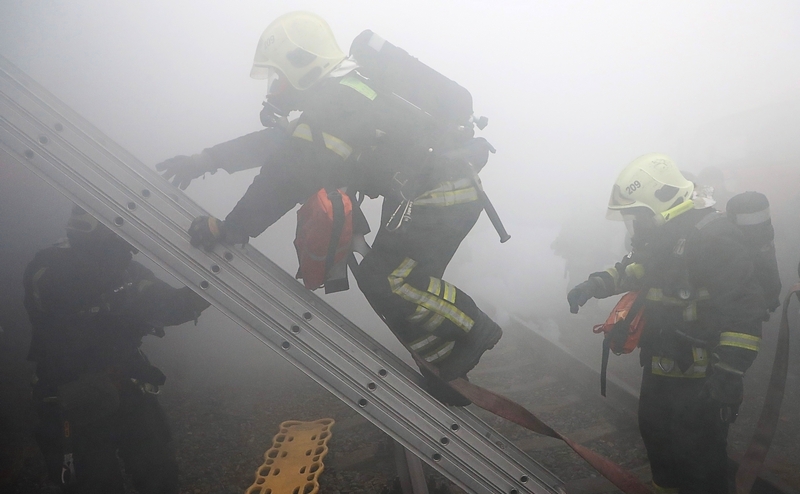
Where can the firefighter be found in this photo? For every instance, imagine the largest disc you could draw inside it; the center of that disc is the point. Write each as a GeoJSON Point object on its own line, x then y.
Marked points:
{"type": "Point", "coordinates": [95, 391]}
{"type": "Point", "coordinates": [703, 311]}
{"type": "Point", "coordinates": [350, 135]}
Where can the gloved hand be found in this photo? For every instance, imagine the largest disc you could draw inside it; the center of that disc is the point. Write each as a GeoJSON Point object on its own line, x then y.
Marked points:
{"type": "Point", "coordinates": [207, 231]}
{"type": "Point", "coordinates": [583, 292]}
{"type": "Point", "coordinates": [726, 388]}
{"type": "Point", "coordinates": [183, 169]}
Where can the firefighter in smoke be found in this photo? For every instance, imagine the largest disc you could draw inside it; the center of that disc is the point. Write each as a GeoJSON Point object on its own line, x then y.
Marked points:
{"type": "Point", "coordinates": [90, 305]}
{"type": "Point", "coordinates": [702, 315]}
{"type": "Point", "coordinates": [354, 133]}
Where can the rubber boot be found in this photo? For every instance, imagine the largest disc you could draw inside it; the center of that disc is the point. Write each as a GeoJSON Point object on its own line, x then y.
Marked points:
{"type": "Point", "coordinates": [468, 350]}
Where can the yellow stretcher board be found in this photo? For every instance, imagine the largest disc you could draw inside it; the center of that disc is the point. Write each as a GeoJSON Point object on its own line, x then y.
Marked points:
{"type": "Point", "coordinates": [294, 462]}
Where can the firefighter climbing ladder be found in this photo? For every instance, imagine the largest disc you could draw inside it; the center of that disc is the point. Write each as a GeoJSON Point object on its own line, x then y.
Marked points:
{"type": "Point", "coordinates": [40, 132]}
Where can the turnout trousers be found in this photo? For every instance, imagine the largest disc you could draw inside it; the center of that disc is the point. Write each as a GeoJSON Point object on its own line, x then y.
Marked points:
{"type": "Point", "coordinates": [685, 438]}
{"type": "Point", "coordinates": [402, 279]}
{"type": "Point", "coordinates": [136, 433]}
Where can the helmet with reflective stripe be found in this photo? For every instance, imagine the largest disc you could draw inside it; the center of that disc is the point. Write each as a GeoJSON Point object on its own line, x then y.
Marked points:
{"type": "Point", "coordinates": [653, 182]}
{"type": "Point", "coordinates": [300, 46]}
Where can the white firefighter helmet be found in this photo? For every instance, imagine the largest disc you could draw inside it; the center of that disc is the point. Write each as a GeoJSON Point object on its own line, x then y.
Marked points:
{"type": "Point", "coordinates": [653, 182]}
{"type": "Point", "coordinates": [298, 45]}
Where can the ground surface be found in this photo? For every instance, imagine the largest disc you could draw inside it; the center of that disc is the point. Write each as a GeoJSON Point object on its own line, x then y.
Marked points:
{"type": "Point", "coordinates": [221, 433]}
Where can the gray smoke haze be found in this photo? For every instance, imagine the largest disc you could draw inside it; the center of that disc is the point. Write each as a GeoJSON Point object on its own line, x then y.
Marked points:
{"type": "Point", "coordinates": [573, 92]}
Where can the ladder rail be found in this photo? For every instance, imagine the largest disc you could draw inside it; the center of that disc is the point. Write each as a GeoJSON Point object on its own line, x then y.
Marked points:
{"type": "Point", "coordinates": [43, 134]}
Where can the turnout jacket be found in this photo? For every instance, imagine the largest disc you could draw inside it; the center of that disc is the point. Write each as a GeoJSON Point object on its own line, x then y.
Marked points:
{"type": "Point", "coordinates": [703, 301]}
{"type": "Point", "coordinates": [347, 136]}
{"type": "Point", "coordinates": [89, 315]}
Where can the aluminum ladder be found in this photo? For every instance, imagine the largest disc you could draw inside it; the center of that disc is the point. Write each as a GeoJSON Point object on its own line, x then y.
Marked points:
{"type": "Point", "coordinates": [40, 132]}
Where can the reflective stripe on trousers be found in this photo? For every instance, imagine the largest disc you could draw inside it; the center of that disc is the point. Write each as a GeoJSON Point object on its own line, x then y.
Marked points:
{"type": "Point", "coordinates": [434, 305]}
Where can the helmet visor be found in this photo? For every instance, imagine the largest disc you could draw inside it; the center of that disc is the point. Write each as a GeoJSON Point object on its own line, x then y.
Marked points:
{"type": "Point", "coordinates": [276, 83]}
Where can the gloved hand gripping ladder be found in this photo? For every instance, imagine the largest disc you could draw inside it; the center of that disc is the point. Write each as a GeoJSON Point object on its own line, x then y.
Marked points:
{"type": "Point", "coordinates": [41, 133]}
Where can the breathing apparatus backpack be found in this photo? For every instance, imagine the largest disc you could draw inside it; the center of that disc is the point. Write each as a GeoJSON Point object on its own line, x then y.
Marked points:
{"type": "Point", "coordinates": [393, 72]}
{"type": "Point", "coordinates": [750, 212]}
{"type": "Point", "coordinates": [440, 106]}
{"type": "Point", "coordinates": [442, 116]}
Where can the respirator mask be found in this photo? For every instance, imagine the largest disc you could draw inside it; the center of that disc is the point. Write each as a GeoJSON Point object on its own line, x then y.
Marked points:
{"type": "Point", "coordinates": [281, 100]}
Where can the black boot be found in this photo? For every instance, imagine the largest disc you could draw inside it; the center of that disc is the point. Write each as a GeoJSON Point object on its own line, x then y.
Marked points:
{"type": "Point", "coordinates": [468, 350]}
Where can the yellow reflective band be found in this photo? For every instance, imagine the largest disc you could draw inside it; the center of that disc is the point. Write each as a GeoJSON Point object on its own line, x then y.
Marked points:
{"type": "Point", "coordinates": [397, 278]}
{"type": "Point", "coordinates": [447, 198]}
{"type": "Point", "coordinates": [690, 312]}
{"type": "Point", "coordinates": [303, 131]}
{"type": "Point", "coordinates": [449, 292]}
{"type": "Point", "coordinates": [337, 145]}
{"type": "Point", "coordinates": [419, 314]}
{"type": "Point", "coordinates": [354, 82]}
{"type": "Point", "coordinates": [435, 304]}
{"type": "Point", "coordinates": [740, 340]}
{"type": "Point", "coordinates": [663, 366]}
{"type": "Point", "coordinates": [677, 210]}
{"type": "Point", "coordinates": [332, 143]}
{"type": "Point", "coordinates": [435, 286]}
{"type": "Point", "coordinates": [449, 194]}
{"type": "Point", "coordinates": [634, 270]}
{"type": "Point", "coordinates": [434, 322]}
{"type": "Point", "coordinates": [425, 299]}
{"type": "Point", "coordinates": [423, 342]}
{"type": "Point", "coordinates": [443, 352]}
{"type": "Point", "coordinates": [614, 275]}
{"type": "Point", "coordinates": [657, 295]}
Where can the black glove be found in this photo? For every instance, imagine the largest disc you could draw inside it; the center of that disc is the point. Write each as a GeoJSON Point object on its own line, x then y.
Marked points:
{"type": "Point", "coordinates": [207, 231]}
{"type": "Point", "coordinates": [727, 389]}
{"type": "Point", "coordinates": [183, 169]}
{"type": "Point", "coordinates": [583, 292]}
